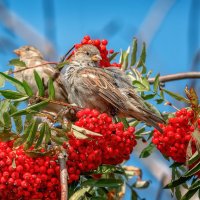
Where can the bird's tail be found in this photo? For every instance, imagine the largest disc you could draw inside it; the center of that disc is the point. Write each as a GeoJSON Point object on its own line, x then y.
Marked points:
{"type": "Point", "coordinates": [146, 115]}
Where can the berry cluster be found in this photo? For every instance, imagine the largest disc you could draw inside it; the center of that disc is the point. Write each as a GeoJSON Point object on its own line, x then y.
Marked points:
{"type": "Point", "coordinates": [113, 147]}
{"type": "Point", "coordinates": [101, 45]}
{"type": "Point", "coordinates": [23, 177]}
{"type": "Point", "coordinates": [173, 142]}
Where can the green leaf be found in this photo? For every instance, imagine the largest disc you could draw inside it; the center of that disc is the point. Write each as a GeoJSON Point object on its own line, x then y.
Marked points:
{"type": "Point", "coordinates": [47, 133]}
{"type": "Point", "coordinates": [124, 61]}
{"type": "Point", "coordinates": [10, 94]}
{"type": "Point", "coordinates": [27, 89]}
{"type": "Point", "coordinates": [80, 193]}
{"type": "Point", "coordinates": [147, 151]}
{"type": "Point", "coordinates": [107, 169]}
{"type": "Point", "coordinates": [134, 195]}
{"type": "Point", "coordinates": [148, 96]}
{"type": "Point", "coordinates": [17, 119]}
{"type": "Point", "coordinates": [41, 137]}
{"type": "Point", "coordinates": [193, 171]}
{"type": "Point", "coordinates": [61, 65]}
{"type": "Point", "coordinates": [195, 185]}
{"type": "Point", "coordinates": [145, 82]}
{"type": "Point", "coordinates": [140, 130]}
{"type": "Point", "coordinates": [112, 57]}
{"type": "Point", "coordinates": [19, 141]}
{"type": "Point", "coordinates": [2, 81]}
{"type": "Point", "coordinates": [14, 81]}
{"type": "Point", "coordinates": [189, 194]}
{"type": "Point", "coordinates": [141, 62]}
{"type": "Point", "coordinates": [39, 83]}
{"type": "Point", "coordinates": [103, 183]}
{"type": "Point", "coordinates": [16, 62]}
{"type": "Point", "coordinates": [51, 89]}
{"type": "Point", "coordinates": [176, 96]}
{"type": "Point", "coordinates": [156, 83]}
{"type": "Point", "coordinates": [178, 193]}
{"type": "Point", "coordinates": [175, 164]}
{"type": "Point", "coordinates": [58, 140]}
{"type": "Point", "coordinates": [159, 101]}
{"type": "Point", "coordinates": [177, 182]}
{"type": "Point", "coordinates": [195, 157]}
{"type": "Point", "coordinates": [134, 52]}
{"type": "Point", "coordinates": [139, 86]}
{"type": "Point", "coordinates": [31, 109]}
{"type": "Point", "coordinates": [4, 107]}
{"type": "Point", "coordinates": [32, 133]}
{"type": "Point", "coordinates": [7, 121]}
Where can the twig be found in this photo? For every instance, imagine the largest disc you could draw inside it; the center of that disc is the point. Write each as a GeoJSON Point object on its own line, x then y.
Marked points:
{"type": "Point", "coordinates": [63, 177]}
{"type": "Point", "coordinates": [175, 77]}
{"type": "Point", "coordinates": [25, 68]}
{"type": "Point", "coordinates": [61, 103]}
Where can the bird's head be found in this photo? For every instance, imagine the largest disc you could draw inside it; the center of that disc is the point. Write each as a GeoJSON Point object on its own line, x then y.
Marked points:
{"type": "Point", "coordinates": [87, 53]}
{"type": "Point", "coordinates": [28, 52]}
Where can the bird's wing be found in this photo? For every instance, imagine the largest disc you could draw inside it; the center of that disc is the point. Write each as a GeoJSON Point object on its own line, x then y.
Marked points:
{"type": "Point", "coordinates": [101, 84]}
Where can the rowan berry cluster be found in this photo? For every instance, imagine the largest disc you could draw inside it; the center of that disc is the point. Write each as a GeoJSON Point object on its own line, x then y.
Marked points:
{"type": "Point", "coordinates": [24, 177]}
{"type": "Point", "coordinates": [173, 142]}
{"type": "Point", "coordinates": [101, 45]}
{"type": "Point", "coordinates": [113, 146]}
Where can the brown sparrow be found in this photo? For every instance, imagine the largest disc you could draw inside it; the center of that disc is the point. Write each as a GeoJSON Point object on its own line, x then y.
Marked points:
{"type": "Point", "coordinates": [33, 57]}
{"type": "Point", "coordinates": [107, 90]}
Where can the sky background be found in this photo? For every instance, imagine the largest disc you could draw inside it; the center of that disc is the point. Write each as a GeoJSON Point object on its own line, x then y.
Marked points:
{"type": "Point", "coordinates": [170, 29]}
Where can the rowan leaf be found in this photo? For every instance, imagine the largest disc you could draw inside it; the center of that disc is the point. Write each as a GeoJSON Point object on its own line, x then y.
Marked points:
{"type": "Point", "coordinates": [134, 52]}
{"type": "Point", "coordinates": [156, 83]}
{"type": "Point", "coordinates": [39, 83]}
{"type": "Point", "coordinates": [16, 62]}
{"type": "Point", "coordinates": [19, 86]}
{"type": "Point", "coordinates": [10, 94]}
{"type": "Point", "coordinates": [176, 96]}
{"type": "Point", "coordinates": [51, 89]}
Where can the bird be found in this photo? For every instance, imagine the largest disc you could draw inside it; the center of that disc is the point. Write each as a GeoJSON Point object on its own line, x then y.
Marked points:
{"type": "Point", "coordinates": [105, 89]}
{"type": "Point", "coordinates": [31, 56]}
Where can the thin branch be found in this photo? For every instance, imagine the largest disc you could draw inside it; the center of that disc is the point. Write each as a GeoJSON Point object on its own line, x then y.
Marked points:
{"type": "Point", "coordinates": [61, 103]}
{"type": "Point", "coordinates": [175, 77]}
{"type": "Point", "coordinates": [63, 177]}
{"type": "Point", "coordinates": [25, 68]}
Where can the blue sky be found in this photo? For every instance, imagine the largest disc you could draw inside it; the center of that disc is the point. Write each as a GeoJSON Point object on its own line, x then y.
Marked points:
{"type": "Point", "coordinates": [168, 51]}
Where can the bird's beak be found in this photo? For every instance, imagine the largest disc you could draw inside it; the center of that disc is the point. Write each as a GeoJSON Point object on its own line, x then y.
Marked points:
{"type": "Point", "coordinates": [96, 58]}
{"type": "Point", "coordinates": [17, 52]}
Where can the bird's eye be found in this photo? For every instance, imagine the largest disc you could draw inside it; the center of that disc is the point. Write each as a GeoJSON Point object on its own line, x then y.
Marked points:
{"type": "Point", "coordinates": [27, 48]}
{"type": "Point", "coordinates": [88, 53]}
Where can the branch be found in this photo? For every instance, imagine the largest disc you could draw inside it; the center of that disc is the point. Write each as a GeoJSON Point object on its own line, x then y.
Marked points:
{"type": "Point", "coordinates": [63, 177]}
{"type": "Point", "coordinates": [175, 77]}
{"type": "Point", "coordinates": [25, 68]}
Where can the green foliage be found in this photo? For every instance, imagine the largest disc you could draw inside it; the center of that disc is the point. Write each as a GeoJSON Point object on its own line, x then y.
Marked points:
{"type": "Point", "coordinates": [16, 62]}
{"type": "Point", "coordinates": [31, 127]}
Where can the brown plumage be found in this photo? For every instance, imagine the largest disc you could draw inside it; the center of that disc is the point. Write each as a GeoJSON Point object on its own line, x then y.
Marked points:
{"type": "Point", "coordinates": [107, 90]}
{"type": "Point", "coordinates": [33, 57]}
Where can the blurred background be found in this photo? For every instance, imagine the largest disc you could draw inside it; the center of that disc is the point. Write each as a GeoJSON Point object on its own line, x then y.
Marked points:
{"type": "Point", "coordinates": [170, 28]}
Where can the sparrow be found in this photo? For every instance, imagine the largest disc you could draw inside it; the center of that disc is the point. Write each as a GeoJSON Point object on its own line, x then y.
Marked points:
{"type": "Point", "coordinates": [105, 89]}
{"type": "Point", "coordinates": [31, 56]}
